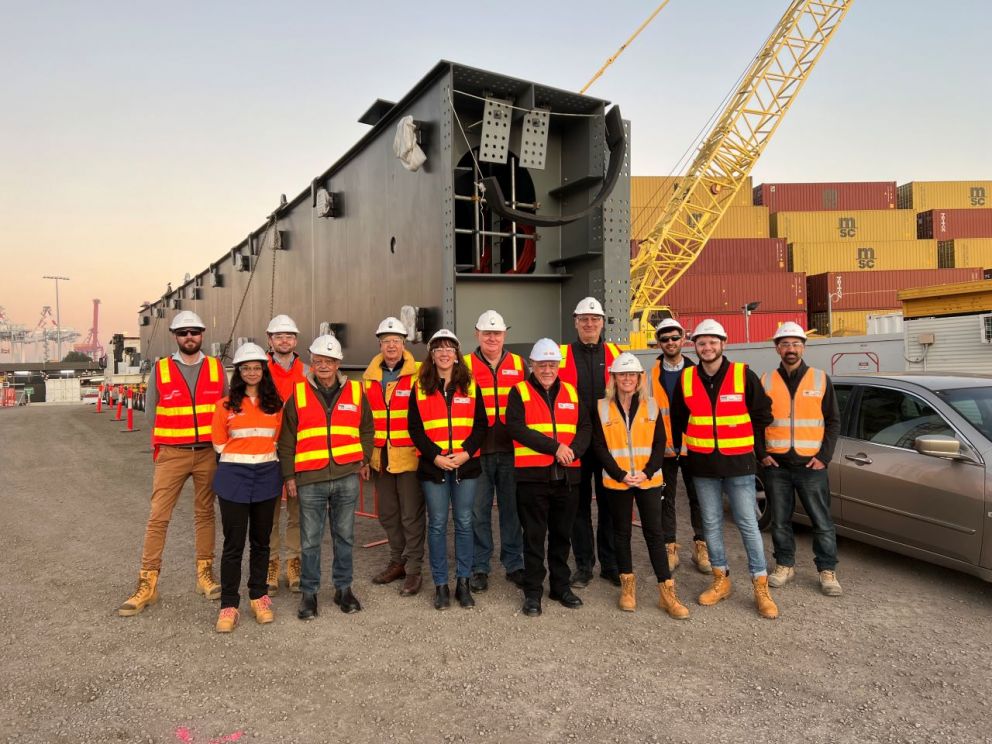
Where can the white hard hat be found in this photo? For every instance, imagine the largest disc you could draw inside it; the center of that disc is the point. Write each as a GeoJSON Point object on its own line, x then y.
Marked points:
{"type": "Point", "coordinates": [282, 324]}
{"type": "Point", "coordinates": [667, 324]}
{"type": "Point", "coordinates": [392, 326]}
{"type": "Point", "coordinates": [250, 352]}
{"type": "Point", "coordinates": [709, 327]}
{"type": "Point", "coordinates": [789, 330]}
{"type": "Point", "coordinates": [443, 333]}
{"type": "Point", "coordinates": [186, 319]}
{"type": "Point", "coordinates": [545, 350]}
{"type": "Point", "coordinates": [626, 362]}
{"type": "Point", "coordinates": [490, 321]}
{"type": "Point", "coordinates": [327, 346]}
{"type": "Point", "coordinates": [589, 306]}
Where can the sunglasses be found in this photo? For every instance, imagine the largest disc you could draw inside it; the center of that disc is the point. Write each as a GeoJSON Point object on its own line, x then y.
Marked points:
{"type": "Point", "coordinates": [666, 339]}
{"type": "Point", "coordinates": [189, 332]}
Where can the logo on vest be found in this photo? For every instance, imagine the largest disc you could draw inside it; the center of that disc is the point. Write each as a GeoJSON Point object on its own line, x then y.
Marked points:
{"type": "Point", "coordinates": [732, 398]}
{"type": "Point", "coordinates": [813, 393]}
{"type": "Point", "coordinates": [461, 400]}
{"type": "Point", "coordinates": [402, 393]}
{"type": "Point", "coordinates": [511, 372]}
{"type": "Point", "coordinates": [566, 406]}
{"type": "Point", "coordinates": [347, 407]}
{"type": "Point", "coordinates": [171, 394]}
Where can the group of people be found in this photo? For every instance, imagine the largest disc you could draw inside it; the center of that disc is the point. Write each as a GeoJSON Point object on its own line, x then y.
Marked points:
{"type": "Point", "coordinates": [456, 433]}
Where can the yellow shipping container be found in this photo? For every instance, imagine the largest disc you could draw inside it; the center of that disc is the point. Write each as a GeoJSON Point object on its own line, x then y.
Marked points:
{"type": "Point", "coordinates": [965, 253]}
{"type": "Point", "coordinates": [844, 323]}
{"type": "Point", "coordinates": [854, 226]}
{"type": "Point", "coordinates": [743, 222]}
{"type": "Point", "coordinates": [819, 258]}
{"type": "Point", "coordinates": [649, 196]}
{"type": "Point", "coordinates": [922, 196]}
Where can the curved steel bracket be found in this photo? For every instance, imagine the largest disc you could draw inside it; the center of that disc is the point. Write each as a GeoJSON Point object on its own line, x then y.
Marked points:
{"type": "Point", "coordinates": [616, 140]}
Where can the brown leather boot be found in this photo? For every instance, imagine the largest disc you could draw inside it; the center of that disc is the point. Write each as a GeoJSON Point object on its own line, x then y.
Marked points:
{"type": "Point", "coordinates": [272, 580]}
{"type": "Point", "coordinates": [628, 592]}
{"type": "Point", "coordinates": [146, 594]}
{"type": "Point", "coordinates": [411, 585]}
{"type": "Point", "coordinates": [701, 556]}
{"type": "Point", "coordinates": [392, 572]}
{"type": "Point", "coordinates": [673, 555]}
{"type": "Point", "coordinates": [205, 583]}
{"type": "Point", "coordinates": [668, 600]}
{"type": "Point", "coordinates": [763, 599]}
{"type": "Point", "coordinates": [719, 589]}
{"type": "Point", "coordinates": [293, 569]}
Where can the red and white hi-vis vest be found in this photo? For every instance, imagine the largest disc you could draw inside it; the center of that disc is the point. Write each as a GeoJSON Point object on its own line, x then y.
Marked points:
{"type": "Point", "coordinates": [321, 437]}
{"type": "Point", "coordinates": [567, 371]}
{"type": "Point", "coordinates": [447, 428]}
{"type": "Point", "coordinates": [183, 416]}
{"type": "Point", "coordinates": [390, 412]}
{"type": "Point", "coordinates": [285, 379]}
{"type": "Point", "coordinates": [728, 428]}
{"type": "Point", "coordinates": [509, 372]}
{"type": "Point", "coordinates": [559, 424]}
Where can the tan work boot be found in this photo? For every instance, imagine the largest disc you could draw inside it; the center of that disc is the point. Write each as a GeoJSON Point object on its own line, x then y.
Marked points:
{"type": "Point", "coordinates": [763, 599]}
{"type": "Point", "coordinates": [227, 620]}
{"type": "Point", "coordinates": [781, 576]}
{"type": "Point", "coordinates": [719, 589]}
{"type": "Point", "coordinates": [673, 555]}
{"type": "Point", "coordinates": [261, 608]}
{"type": "Point", "coordinates": [272, 580]}
{"type": "Point", "coordinates": [205, 583]}
{"type": "Point", "coordinates": [628, 592]}
{"type": "Point", "coordinates": [668, 600]}
{"type": "Point", "coordinates": [701, 556]}
{"type": "Point", "coordinates": [146, 594]}
{"type": "Point", "coordinates": [293, 575]}
{"type": "Point", "coordinates": [829, 584]}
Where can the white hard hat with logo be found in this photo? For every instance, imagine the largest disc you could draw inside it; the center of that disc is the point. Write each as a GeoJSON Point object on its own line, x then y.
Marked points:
{"type": "Point", "coordinates": [249, 352]}
{"type": "Point", "coordinates": [491, 321]}
{"type": "Point", "coordinates": [327, 346]}
{"type": "Point", "coordinates": [545, 350]}
{"type": "Point", "coordinates": [443, 333]}
{"type": "Point", "coordinates": [668, 324]}
{"type": "Point", "coordinates": [282, 324]}
{"type": "Point", "coordinates": [709, 327]}
{"type": "Point", "coordinates": [589, 306]}
{"type": "Point", "coordinates": [626, 362]}
{"type": "Point", "coordinates": [789, 330]}
{"type": "Point", "coordinates": [392, 326]}
{"type": "Point", "coordinates": [186, 319]}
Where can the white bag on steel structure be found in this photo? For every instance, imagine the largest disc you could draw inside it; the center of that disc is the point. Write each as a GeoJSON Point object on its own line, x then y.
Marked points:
{"type": "Point", "coordinates": [405, 145]}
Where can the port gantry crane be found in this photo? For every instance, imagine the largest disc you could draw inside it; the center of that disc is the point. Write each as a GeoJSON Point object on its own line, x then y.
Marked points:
{"type": "Point", "coordinates": [727, 155]}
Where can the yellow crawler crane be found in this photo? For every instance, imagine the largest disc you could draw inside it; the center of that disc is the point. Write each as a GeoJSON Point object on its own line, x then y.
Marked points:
{"type": "Point", "coordinates": [727, 155]}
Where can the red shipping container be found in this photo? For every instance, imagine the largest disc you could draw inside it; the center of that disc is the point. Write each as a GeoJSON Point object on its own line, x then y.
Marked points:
{"type": "Point", "coordinates": [741, 256]}
{"type": "Point", "coordinates": [760, 326]}
{"type": "Point", "coordinates": [948, 224]}
{"type": "Point", "coordinates": [817, 197]}
{"type": "Point", "coordinates": [721, 293]}
{"type": "Point", "coordinates": [874, 290]}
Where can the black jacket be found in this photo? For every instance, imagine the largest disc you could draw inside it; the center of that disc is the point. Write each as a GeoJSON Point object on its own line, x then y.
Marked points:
{"type": "Point", "coordinates": [831, 418]}
{"type": "Point", "coordinates": [613, 470]}
{"type": "Point", "coordinates": [426, 469]}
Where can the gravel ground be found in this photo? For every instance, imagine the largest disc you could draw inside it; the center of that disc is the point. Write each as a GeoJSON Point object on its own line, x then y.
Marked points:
{"type": "Point", "coordinates": [902, 657]}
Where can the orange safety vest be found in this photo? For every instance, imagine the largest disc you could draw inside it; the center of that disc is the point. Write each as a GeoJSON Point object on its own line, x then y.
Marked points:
{"type": "Point", "coordinates": [664, 408]}
{"type": "Point", "coordinates": [447, 427]}
{"type": "Point", "coordinates": [285, 379]}
{"type": "Point", "coordinates": [729, 427]}
{"type": "Point", "coordinates": [390, 421]}
{"type": "Point", "coordinates": [558, 424]}
{"type": "Point", "coordinates": [494, 390]}
{"type": "Point", "coordinates": [567, 371]}
{"type": "Point", "coordinates": [797, 423]}
{"type": "Point", "coordinates": [631, 447]}
{"type": "Point", "coordinates": [183, 416]}
{"type": "Point", "coordinates": [322, 436]}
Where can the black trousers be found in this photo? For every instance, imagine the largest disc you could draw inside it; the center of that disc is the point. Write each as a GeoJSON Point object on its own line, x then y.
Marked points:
{"type": "Point", "coordinates": [238, 520]}
{"type": "Point", "coordinates": [670, 470]}
{"type": "Point", "coordinates": [649, 506]}
{"type": "Point", "coordinates": [546, 511]}
{"type": "Point", "coordinates": [583, 545]}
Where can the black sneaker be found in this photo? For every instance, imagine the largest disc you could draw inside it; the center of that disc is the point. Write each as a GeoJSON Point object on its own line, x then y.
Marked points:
{"type": "Point", "coordinates": [479, 582]}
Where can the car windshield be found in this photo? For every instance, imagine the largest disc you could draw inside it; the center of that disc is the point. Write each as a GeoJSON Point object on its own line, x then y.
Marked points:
{"type": "Point", "coordinates": [975, 404]}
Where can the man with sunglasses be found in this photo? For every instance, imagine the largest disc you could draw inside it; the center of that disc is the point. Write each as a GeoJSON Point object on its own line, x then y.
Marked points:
{"type": "Point", "coordinates": [183, 391]}
{"type": "Point", "coordinates": [664, 377]}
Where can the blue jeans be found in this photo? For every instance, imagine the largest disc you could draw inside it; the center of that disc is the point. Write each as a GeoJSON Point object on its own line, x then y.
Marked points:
{"type": "Point", "coordinates": [336, 499]}
{"type": "Point", "coordinates": [740, 492]}
{"type": "Point", "coordinates": [497, 479]}
{"type": "Point", "coordinates": [781, 485]}
{"type": "Point", "coordinates": [458, 497]}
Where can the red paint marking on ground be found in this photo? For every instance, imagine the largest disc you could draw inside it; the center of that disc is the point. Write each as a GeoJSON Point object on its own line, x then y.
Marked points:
{"type": "Point", "coordinates": [183, 734]}
{"type": "Point", "coordinates": [228, 737]}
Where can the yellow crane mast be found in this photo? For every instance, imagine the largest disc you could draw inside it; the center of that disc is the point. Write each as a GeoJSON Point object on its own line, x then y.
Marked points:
{"type": "Point", "coordinates": [727, 155]}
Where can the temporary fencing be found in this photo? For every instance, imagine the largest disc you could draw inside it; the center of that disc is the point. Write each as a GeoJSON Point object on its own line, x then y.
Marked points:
{"type": "Point", "coordinates": [362, 511]}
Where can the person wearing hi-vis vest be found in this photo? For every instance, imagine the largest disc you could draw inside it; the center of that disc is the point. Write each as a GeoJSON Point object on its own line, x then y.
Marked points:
{"type": "Point", "coordinates": [630, 436]}
{"type": "Point", "coordinates": [585, 365]}
{"type": "Point", "coordinates": [551, 432]}
{"type": "Point", "coordinates": [718, 407]}
{"type": "Point", "coordinates": [799, 444]}
{"type": "Point", "coordinates": [496, 371]}
{"type": "Point", "coordinates": [183, 393]}
{"type": "Point", "coordinates": [447, 421]}
{"type": "Point", "coordinates": [388, 382]}
{"type": "Point", "coordinates": [325, 444]}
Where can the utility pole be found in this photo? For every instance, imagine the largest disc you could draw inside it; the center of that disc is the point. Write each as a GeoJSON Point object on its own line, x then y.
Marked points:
{"type": "Point", "coordinates": [747, 309]}
{"type": "Point", "coordinates": [58, 312]}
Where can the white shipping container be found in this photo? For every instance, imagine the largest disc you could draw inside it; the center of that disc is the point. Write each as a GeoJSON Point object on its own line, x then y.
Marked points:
{"type": "Point", "coordinates": [65, 390]}
{"type": "Point", "coordinates": [881, 324]}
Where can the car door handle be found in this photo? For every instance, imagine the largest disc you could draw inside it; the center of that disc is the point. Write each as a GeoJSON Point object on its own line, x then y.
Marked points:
{"type": "Point", "coordinates": [860, 459]}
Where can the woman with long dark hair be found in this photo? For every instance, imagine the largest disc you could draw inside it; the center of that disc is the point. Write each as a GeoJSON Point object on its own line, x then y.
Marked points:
{"type": "Point", "coordinates": [248, 482]}
{"type": "Point", "coordinates": [447, 423]}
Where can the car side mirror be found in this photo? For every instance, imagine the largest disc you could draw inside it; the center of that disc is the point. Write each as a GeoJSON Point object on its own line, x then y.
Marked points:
{"type": "Point", "coordinates": [938, 445]}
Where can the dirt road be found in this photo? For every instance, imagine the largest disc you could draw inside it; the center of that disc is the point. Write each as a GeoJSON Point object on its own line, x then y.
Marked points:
{"type": "Point", "coordinates": [902, 657]}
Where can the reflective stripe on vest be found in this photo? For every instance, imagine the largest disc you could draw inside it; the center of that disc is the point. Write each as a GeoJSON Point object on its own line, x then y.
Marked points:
{"type": "Point", "coordinates": [183, 416]}
{"type": "Point", "coordinates": [559, 424]}
{"type": "Point", "coordinates": [797, 422]}
{"type": "Point", "coordinates": [567, 371]}
{"type": "Point", "coordinates": [664, 408]}
{"type": "Point", "coordinates": [389, 411]}
{"type": "Point", "coordinates": [448, 427]}
{"type": "Point", "coordinates": [494, 392]}
{"type": "Point", "coordinates": [727, 429]}
{"type": "Point", "coordinates": [631, 447]}
{"type": "Point", "coordinates": [322, 436]}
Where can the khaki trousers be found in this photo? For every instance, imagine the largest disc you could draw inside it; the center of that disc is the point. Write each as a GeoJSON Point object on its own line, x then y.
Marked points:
{"type": "Point", "coordinates": [173, 468]}
{"type": "Point", "coordinates": [403, 517]}
{"type": "Point", "coordinates": [292, 509]}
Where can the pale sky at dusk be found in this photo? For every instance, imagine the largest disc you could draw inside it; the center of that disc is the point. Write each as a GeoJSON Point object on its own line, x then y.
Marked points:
{"type": "Point", "coordinates": [141, 141]}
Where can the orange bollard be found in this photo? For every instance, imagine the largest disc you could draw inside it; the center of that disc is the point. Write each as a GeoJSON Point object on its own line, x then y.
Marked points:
{"type": "Point", "coordinates": [130, 412]}
{"type": "Point", "coordinates": [99, 399]}
{"type": "Point", "coordinates": [120, 405]}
